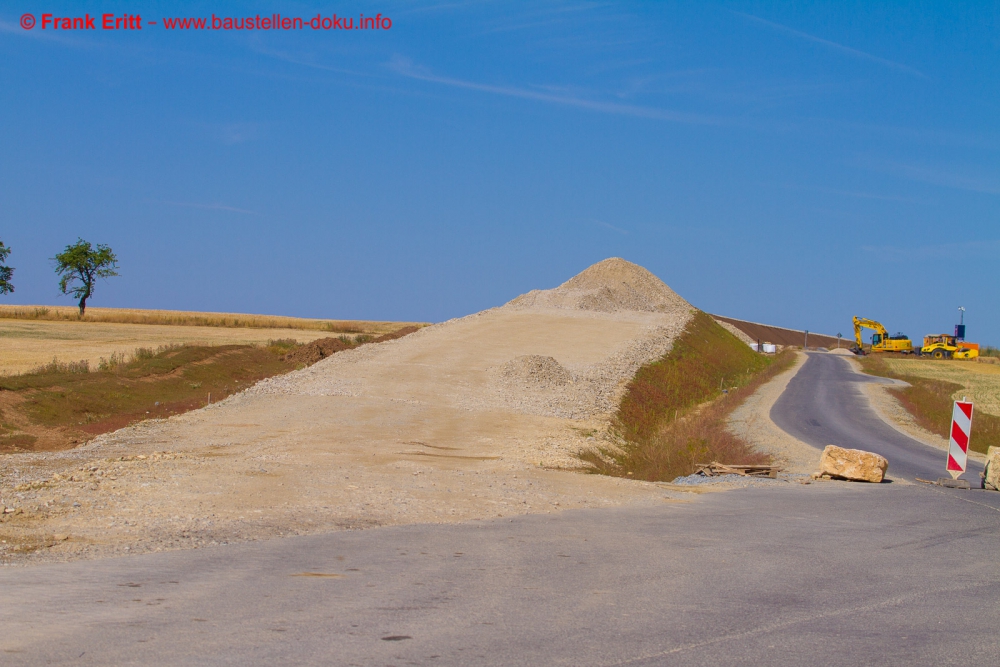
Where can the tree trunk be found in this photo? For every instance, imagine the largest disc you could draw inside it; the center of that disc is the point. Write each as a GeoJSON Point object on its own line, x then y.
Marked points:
{"type": "Point", "coordinates": [83, 306]}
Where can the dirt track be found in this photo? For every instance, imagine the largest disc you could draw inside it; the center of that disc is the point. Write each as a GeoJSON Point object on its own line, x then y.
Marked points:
{"type": "Point", "coordinates": [472, 418]}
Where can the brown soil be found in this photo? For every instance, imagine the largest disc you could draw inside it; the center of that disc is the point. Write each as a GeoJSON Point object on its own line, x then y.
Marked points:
{"type": "Point", "coordinates": [781, 336]}
{"type": "Point", "coordinates": [312, 352]}
{"type": "Point", "coordinates": [322, 348]}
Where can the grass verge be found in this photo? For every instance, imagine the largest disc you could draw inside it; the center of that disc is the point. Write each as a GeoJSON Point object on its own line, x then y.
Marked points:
{"type": "Point", "coordinates": [673, 414]}
{"type": "Point", "coordinates": [930, 402]}
{"type": "Point", "coordinates": [62, 404]}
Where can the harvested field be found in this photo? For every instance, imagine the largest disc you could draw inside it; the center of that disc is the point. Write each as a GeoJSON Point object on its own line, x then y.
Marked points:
{"type": "Point", "coordinates": [28, 344]}
{"type": "Point", "coordinates": [192, 319]}
{"type": "Point", "coordinates": [929, 400]}
{"type": "Point", "coordinates": [979, 381]}
{"type": "Point", "coordinates": [476, 417]}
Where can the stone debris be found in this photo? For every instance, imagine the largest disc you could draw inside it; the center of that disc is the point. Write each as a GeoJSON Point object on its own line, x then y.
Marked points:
{"type": "Point", "coordinates": [852, 464]}
{"type": "Point", "coordinates": [991, 475]}
{"type": "Point", "coordinates": [534, 371]}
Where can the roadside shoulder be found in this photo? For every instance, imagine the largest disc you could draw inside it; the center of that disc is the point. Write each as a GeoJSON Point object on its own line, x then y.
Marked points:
{"type": "Point", "coordinates": [752, 422]}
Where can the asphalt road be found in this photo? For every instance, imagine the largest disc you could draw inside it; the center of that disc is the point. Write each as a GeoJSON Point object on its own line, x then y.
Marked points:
{"type": "Point", "coordinates": [823, 405]}
{"type": "Point", "coordinates": [832, 573]}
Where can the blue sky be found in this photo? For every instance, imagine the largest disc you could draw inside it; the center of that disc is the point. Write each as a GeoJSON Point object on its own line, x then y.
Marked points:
{"type": "Point", "coordinates": [788, 163]}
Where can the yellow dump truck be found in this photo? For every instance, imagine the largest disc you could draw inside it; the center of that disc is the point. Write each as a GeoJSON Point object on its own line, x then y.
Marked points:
{"type": "Point", "coordinates": [881, 340]}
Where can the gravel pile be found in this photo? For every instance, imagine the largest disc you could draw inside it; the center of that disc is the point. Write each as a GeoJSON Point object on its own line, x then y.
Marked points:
{"type": "Point", "coordinates": [529, 384]}
{"type": "Point", "coordinates": [610, 286]}
{"type": "Point", "coordinates": [588, 390]}
{"type": "Point", "coordinates": [533, 371]}
{"type": "Point", "coordinates": [737, 481]}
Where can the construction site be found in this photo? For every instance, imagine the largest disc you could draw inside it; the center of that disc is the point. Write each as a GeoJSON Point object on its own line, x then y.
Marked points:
{"type": "Point", "coordinates": [504, 413]}
{"type": "Point", "coordinates": [499, 334]}
{"type": "Point", "coordinates": [486, 416]}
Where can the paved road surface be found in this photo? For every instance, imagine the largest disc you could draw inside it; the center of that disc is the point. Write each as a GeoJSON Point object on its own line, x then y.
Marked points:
{"type": "Point", "coordinates": [826, 574]}
{"type": "Point", "coordinates": [823, 405]}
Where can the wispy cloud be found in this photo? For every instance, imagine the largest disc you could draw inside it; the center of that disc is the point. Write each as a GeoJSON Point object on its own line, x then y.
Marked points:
{"type": "Point", "coordinates": [405, 68]}
{"type": "Point", "coordinates": [940, 178]}
{"type": "Point", "coordinates": [239, 133]}
{"type": "Point", "coordinates": [854, 194]}
{"type": "Point", "coordinates": [209, 207]}
{"type": "Point", "coordinates": [257, 47]}
{"type": "Point", "coordinates": [610, 226]}
{"type": "Point", "coordinates": [956, 251]}
{"type": "Point", "coordinates": [833, 45]}
{"type": "Point", "coordinates": [446, 6]}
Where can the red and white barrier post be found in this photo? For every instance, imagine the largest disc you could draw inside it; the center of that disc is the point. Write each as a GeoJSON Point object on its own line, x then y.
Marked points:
{"type": "Point", "coordinates": [958, 448]}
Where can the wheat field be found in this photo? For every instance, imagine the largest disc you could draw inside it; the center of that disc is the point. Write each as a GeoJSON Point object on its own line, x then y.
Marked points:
{"type": "Point", "coordinates": [26, 344]}
{"type": "Point", "coordinates": [980, 381]}
{"type": "Point", "coordinates": [193, 318]}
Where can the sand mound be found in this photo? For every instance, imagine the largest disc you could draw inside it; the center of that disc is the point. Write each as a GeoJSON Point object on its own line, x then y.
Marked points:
{"type": "Point", "coordinates": [607, 287]}
{"type": "Point", "coordinates": [842, 351]}
{"type": "Point", "coordinates": [535, 371]}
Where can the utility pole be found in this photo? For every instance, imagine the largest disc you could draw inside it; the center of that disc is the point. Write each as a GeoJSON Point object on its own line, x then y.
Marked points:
{"type": "Point", "coordinates": [806, 347]}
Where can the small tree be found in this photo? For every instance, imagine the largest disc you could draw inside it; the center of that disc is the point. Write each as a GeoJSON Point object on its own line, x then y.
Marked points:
{"type": "Point", "coordinates": [81, 262]}
{"type": "Point", "coordinates": [6, 272]}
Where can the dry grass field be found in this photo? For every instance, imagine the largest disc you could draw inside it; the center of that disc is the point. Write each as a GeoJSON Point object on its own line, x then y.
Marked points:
{"type": "Point", "coordinates": [192, 318]}
{"type": "Point", "coordinates": [26, 344]}
{"type": "Point", "coordinates": [980, 381]}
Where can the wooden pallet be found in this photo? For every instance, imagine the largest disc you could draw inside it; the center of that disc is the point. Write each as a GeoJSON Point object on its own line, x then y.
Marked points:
{"type": "Point", "coordinates": [715, 468]}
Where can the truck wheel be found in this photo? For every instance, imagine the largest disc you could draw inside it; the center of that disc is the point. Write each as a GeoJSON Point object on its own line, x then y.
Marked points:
{"type": "Point", "coordinates": [938, 354]}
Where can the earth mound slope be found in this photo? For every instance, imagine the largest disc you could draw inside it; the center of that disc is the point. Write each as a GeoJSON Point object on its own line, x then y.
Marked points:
{"type": "Point", "coordinates": [470, 418]}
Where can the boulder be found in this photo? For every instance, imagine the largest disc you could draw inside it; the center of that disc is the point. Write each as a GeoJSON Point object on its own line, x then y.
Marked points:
{"type": "Point", "coordinates": [991, 476]}
{"type": "Point", "coordinates": [852, 464]}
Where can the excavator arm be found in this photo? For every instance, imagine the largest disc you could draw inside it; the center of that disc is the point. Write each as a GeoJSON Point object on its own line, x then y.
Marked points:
{"type": "Point", "coordinates": [860, 322]}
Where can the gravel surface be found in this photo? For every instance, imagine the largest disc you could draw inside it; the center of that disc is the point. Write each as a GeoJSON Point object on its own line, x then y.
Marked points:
{"type": "Point", "coordinates": [740, 481]}
{"type": "Point", "coordinates": [477, 417]}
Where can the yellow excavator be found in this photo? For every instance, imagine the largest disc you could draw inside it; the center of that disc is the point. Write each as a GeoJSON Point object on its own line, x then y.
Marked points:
{"type": "Point", "coordinates": [881, 340]}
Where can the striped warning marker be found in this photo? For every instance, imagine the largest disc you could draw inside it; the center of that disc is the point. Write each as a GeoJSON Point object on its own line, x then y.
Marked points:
{"type": "Point", "coordinates": [958, 448]}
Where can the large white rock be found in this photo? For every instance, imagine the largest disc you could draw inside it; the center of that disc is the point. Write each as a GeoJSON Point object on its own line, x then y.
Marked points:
{"type": "Point", "coordinates": [992, 476]}
{"type": "Point", "coordinates": [853, 464]}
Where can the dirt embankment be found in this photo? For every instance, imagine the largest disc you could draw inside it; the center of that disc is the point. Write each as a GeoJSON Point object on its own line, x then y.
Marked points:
{"type": "Point", "coordinates": [476, 417]}
{"type": "Point", "coordinates": [320, 349]}
{"type": "Point", "coordinates": [766, 333]}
